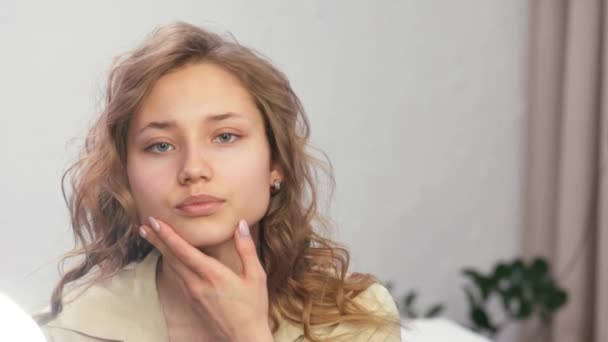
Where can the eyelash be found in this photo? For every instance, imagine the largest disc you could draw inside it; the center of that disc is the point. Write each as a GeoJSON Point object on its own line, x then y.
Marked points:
{"type": "Point", "coordinates": [151, 147]}
{"type": "Point", "coordinates": [234, 136]}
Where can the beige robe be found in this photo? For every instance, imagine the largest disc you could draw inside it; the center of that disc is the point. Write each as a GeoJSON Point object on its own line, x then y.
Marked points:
{"type": "Point", "coordinates": [126, 308]}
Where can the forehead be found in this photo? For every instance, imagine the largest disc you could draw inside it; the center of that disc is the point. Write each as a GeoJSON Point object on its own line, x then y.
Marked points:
{"type": "Point", "coordinates": [193, 92]}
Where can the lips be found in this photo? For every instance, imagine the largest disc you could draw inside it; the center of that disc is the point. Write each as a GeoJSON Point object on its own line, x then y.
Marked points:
{"type": "Point", "coordinates": [200, 205]}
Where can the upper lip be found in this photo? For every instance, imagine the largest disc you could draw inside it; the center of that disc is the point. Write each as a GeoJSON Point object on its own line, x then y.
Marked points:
{"type": "Point", "coordinates": [199, 199]}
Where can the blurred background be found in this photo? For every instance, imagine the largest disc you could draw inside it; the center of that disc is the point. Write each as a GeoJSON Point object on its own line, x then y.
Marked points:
{"type": "Point", "coordinates": [462, 133]}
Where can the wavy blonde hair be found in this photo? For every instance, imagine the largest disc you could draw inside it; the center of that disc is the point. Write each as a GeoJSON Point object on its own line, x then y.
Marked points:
{"type": "Point", "coordinates": [306, 273]}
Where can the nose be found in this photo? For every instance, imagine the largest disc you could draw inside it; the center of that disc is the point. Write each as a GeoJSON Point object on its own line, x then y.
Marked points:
{"type": "Point", "coordinates": [195, 167]}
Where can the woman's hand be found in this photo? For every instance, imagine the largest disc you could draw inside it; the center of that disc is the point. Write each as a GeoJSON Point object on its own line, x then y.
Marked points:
{"type": "Point", "coordinates": [236, 306]}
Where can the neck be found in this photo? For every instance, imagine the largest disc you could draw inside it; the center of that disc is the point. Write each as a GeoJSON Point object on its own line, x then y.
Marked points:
{"type": "Point", "coordinates": [173, 295]}
{"type": "Point", "coordinates": [169, 281]}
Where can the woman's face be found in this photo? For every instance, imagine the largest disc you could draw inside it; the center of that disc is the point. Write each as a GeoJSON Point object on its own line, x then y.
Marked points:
{"type": "Point", "coordinates": [199, 133]}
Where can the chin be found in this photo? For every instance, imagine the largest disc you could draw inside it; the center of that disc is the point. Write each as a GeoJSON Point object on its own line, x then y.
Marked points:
{"type": "Point", "coordinates": [205, 231]}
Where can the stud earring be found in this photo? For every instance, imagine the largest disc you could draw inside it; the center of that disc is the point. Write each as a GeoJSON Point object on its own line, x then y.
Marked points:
{"type": "Point", "coordinates": [276, 186]}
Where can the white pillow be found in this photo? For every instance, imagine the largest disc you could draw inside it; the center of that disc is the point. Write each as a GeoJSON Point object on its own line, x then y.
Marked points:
{"type": "Point", "coordinates": [17, 325]}
{"type": "Point", "coordinates": [437, 330]}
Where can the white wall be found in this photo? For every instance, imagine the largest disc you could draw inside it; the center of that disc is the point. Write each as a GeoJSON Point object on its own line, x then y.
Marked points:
{"type": "Point", "coordinates": [419, 105]}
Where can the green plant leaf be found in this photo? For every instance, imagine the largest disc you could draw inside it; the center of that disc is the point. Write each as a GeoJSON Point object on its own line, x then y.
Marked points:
{"type": "Point", "coordinates": [481, 320]}
{"type": "Point", "coordinates": [525, 310]}
{"type": "Point", "coordinates": [408, 304]}
{"type": "Point", "coordinates": [508, 297]}
{"type": "Point", "coordinates": [501, 270]}
{"type": "Point", "coordinates": [434, 311]}
{"type": "Point", "coordinates": [410, 298]}
{"type": "Point", "coordinates": [556, 299]}
{"type": "Point", "coordinates": [540, 267]}
{"type": "Point", "coordinates": [525, 290]}
{"type": "Point", "coordinates": [500, 276]}
{"type": "Point", "coordinates": [517, 276]}
{"type": "Point", "coordinates": [483, 284]}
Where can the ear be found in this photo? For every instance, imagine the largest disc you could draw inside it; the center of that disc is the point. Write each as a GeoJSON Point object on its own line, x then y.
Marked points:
{"type": "Point", "coordinates": [276, 172]}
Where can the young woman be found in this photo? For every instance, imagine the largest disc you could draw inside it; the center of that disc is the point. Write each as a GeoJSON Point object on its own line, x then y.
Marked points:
{"type": "Point", "coordinates": [193, 205]}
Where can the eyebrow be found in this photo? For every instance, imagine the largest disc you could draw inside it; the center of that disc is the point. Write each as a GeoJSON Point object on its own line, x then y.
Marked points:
{"type": "Point", "coordinates": [171, 124]}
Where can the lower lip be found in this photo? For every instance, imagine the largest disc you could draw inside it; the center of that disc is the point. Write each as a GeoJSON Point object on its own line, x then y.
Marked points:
{"type": "Point", "coordinates": [202, 209]}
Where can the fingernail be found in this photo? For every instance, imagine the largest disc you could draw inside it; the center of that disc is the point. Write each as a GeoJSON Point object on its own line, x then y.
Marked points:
{"type": "Point", "coordinates": [155, 225]}
{"type": "Point", "coordinates": [244, 229]}
{"type": "Point", "coordinates": [142, 231]}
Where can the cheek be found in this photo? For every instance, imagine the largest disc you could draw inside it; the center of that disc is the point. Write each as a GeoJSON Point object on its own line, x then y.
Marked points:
{"type": "Point", "coordinates": [250, 187]}
{"type": "Point", "coordinates": [256, 194]}
{"type": "Point", "coordinates": [146, 184]}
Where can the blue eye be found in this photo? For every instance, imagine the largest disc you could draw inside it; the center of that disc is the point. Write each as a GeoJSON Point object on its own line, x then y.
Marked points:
{"type": "Point", "coordinates": [159, 147]}
{"type": "Point", "coordinates": [226, 138]}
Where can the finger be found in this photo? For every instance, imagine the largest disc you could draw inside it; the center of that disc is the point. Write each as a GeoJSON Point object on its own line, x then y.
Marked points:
{"type": "Point", "coordinates": [188, 280]}
{"type": "Point", "coordinates": [194, 259]}
{"type": "Point", "coordinates": [180, 268]}
{"type": "Point", "coordinates": [252, 268]}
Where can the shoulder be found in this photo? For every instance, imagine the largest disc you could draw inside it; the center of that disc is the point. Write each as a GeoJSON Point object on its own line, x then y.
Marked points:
{"type": "Point", "coordinates": [98, 310]}
{"type": "Point", "coordinates": [378, 301]}
{"type": "Point", "coordinates": [377, 298]}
